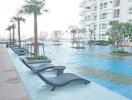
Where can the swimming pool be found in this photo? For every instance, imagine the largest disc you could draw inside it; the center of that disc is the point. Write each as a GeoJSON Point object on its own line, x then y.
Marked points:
{"type": "Point", "coordinates": [96, 63]}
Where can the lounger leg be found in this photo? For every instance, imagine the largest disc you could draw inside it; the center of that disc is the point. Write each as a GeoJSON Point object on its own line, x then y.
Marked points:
{"type": "Point", "coordinates": [86, 82]}
{"type": "Point", "coordinates": [53, 88]}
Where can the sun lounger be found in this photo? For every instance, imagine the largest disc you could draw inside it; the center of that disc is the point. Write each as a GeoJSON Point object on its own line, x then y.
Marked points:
{"type": "Point", "coordinates": [19, 51]}
{"type": "Point", "coordinates": [62, 79]}
{"type": "Point", "coordinates": [38, 68]}
{"type": "Point", "coordinates": [8, 44]}
{"type": "Point", "coordinates": [11, 45]}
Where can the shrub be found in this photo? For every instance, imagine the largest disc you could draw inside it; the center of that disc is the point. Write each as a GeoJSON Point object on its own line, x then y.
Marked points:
{"type": "Point", "coordinates": [120, 51]}
{"type": "Point", "coordinates": [37, 58]}
{"type": "Point", "coordinates": [101, 42]}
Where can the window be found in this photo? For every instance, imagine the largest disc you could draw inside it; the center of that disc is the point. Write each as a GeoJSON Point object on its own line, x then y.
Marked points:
{"type": "Point", "coordinates": [101, 6]}
{"type": "Point", "coordinates": [103, 16]}
{"type": "Point", "coordinates": [130, 10]}
{"type": "Point", "coordinates": [100, 26]}
{"type": "Point", "coordinates": [89, 8]}
{"type": "Point", "coordinates": [95, 27]}
{"type": "Point", "coordinates": [105, 5]}
{"type": "Point", "coordinates": [87, 18]}
{"type": "Point", "coordinates": [95, 17]}
{"type": "Point", "coordinates": [116, 13]}
{"type": "Point", "coordinates": [117, 3]}
{"type": "Point", "coordinates": [104, 26]}
{"type": "Point", "coordinates": [95, 8]}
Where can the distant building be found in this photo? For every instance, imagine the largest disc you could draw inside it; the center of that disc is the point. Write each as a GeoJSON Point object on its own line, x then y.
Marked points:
{"type": "Point", "coordinates": [96, 15]}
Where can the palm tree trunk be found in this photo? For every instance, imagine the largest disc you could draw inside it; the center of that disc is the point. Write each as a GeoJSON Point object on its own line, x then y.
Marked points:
{"type": "Point", "coordinates": [19, 36]}
{"type": "Point", "coordinates": [35, 36]}
{"type": "Point", "coordinates": [13, 35]}
{"type": "Point", "coordinates": [91, 36]}
{"type": "Point", "coordinates": [10, 35]}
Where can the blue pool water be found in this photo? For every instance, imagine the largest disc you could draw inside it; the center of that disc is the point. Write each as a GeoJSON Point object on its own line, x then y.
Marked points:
{"type": "Point", "coordinates": [96, 63]}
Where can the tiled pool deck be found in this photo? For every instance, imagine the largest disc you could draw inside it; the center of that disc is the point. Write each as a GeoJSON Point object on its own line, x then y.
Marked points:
{"type": "Point", "coordinates": [11, 86]}
{"type": "Point", "coordinates": [38, 90]}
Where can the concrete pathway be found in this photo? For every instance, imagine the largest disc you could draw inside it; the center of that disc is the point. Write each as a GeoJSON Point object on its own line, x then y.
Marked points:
{"type": "Point", "coordinates": [11, 86]}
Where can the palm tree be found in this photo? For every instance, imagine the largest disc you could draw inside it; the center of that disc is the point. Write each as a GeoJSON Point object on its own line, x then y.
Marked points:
{"type": "Point", "coordinates": [13, 29]}
{"type": "Point", "coordinates": [91, 34]}
{"type": "Point", "coordinates": [19, 19]}
{"type": "Point", "coordinates": [13, 26]}
{"type": "Point", "coordinates": [34, 7]}
{"type": "Point", "coordinates": [9, 29]}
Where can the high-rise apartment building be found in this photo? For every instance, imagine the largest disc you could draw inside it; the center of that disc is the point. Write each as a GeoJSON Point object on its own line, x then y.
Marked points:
{"type": "Point", "coordinates": [97, 14]}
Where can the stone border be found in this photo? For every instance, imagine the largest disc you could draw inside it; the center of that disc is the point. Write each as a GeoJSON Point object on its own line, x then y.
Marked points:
{"type": "Point", "coordinates": [36, 61]}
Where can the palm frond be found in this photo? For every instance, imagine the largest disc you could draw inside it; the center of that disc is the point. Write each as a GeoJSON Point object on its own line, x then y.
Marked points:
{"type": "Point", "coordinates": [32, 6]}
{"type": "Point", "coordinates": [8, 28]}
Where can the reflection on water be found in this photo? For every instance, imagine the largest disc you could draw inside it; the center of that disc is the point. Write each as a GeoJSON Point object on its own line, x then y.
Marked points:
{"type": "Point", "coordinates": [96, 63]}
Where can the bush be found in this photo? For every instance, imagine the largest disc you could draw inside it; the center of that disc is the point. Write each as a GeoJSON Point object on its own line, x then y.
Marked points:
{"type": "Point", "coordinates": [101, 42]}
{"type": "Point", "coordinates": [110, 41]}
{"type": "Point", "coordinates": [37, 58]}
{"type": "Point", "coordinates": [120, 51]}
{"type": "Point", "coordinates": [91, 42]}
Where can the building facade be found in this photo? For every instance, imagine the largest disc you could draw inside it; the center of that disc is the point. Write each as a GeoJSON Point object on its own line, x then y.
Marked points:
{"type": "Point", "coordinates": [97, 14]}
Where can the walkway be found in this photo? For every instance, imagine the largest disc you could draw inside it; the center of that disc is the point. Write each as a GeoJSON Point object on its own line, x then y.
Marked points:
{"type": "Point", "coordinates": [11, 86]}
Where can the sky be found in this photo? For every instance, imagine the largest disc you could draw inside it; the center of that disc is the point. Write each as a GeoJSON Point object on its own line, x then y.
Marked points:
{"type": "Point", "coordinates": [62, 13]}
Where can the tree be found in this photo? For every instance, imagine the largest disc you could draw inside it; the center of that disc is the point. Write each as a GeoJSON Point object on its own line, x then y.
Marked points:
{"type": "Point", "coordinates": [91, 34]}
{"type": "Point", "coordinates": [116, 32]}
{"type": "Point", "coordinates": [56, 36]}
{"type": "Point", "coordinates": [77, 37]}
{"type": "Point", "coordinates": [19, 19]}
{"type": "Point", "coordinates": [13, 26]}
{"type": "Point", "coordinates": [34, 7]}
{"type": "Point", "coordinates": [80, 37]}
{"type": "Point", "coordinates": [9, 29]}
{"type": "Point", "coordinates": [73, 32]}
{"type": "Point", "coordinates": [128, 30]}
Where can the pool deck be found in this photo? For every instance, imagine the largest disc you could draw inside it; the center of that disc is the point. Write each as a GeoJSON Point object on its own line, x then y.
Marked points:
{"type": "Point", "coordinates": [11, 86]}
{"type": "Point", "coordinates": [38, 90]}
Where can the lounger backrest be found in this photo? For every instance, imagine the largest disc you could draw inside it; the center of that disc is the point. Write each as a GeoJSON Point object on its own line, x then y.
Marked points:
{"type": "Point", "coordinates": [25, 63]}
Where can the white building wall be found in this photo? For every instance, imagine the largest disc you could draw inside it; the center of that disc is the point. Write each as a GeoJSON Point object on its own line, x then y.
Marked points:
{"type": "Point", "coordinates": [129, 12]}
{"type": "Point", "coordinates": [104, 14]}
{"type": "Point", "coordinates": [123, 11]}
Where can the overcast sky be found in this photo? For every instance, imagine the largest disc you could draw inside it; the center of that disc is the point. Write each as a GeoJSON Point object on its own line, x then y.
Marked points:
{"type": "Point", "coordinates": [62, 13]}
